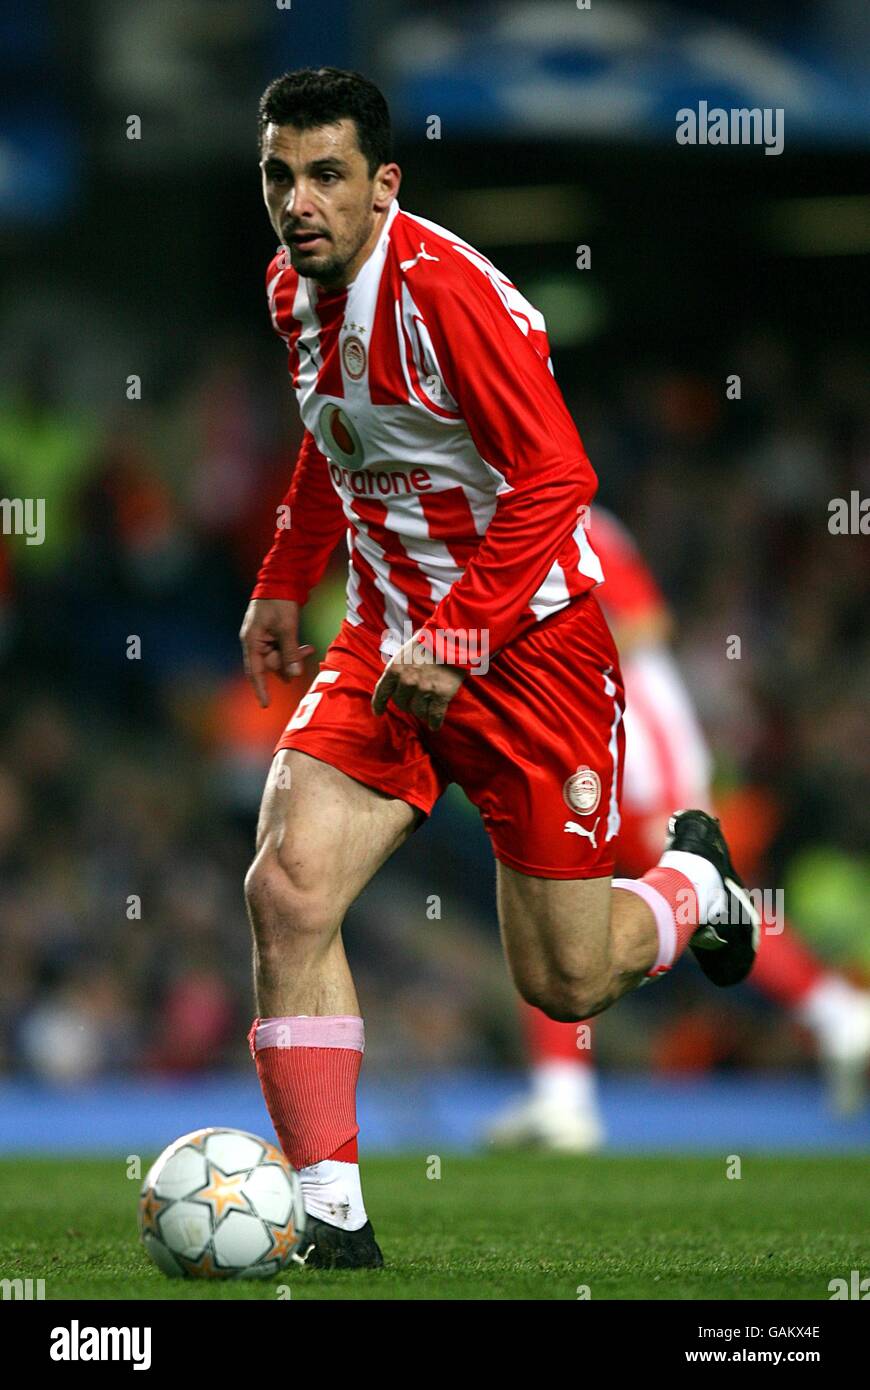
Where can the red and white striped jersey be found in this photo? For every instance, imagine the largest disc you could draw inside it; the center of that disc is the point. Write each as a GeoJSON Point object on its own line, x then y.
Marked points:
{"type": "Point", "coordinates": [436, 438]}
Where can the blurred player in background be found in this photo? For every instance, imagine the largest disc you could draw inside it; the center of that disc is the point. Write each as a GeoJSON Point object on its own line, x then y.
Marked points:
{"type": "Point", "coordinates": [668, 764]}
{"type": "Point", "coordinates": [438, 443]}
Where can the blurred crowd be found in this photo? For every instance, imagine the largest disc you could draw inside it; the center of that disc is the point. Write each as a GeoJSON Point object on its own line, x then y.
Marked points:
{"type": "Point", "coordinates": [132, 753]}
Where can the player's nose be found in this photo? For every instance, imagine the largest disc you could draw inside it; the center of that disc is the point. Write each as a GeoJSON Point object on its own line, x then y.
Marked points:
{"type": "Point", "coordinates": [299, 203]}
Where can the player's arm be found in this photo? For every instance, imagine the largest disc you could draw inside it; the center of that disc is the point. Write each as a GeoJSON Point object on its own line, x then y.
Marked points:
{"type": "Point", "coordinates": [310, 524]}
{"type": "Point", "coordinates": [520, 426]}
{"type": "Point", "coordinates": [526, 533]}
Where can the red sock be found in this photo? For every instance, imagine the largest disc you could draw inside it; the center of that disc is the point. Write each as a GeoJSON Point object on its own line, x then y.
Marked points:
{"type": "Point", "coordinates": [674, 904]}
{"type": "Point", "coordinates": [308, 1069]}
{"type": "Point", "coordinates": [547, 1040]}
{"type": "Point", "coordinates": [785, 969]}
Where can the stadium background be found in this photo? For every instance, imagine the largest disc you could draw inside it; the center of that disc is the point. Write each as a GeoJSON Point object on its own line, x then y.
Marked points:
{"type": "Point", "coordinates": [141, 777]}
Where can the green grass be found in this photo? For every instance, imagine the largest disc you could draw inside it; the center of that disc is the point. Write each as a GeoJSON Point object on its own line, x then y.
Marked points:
{"type": "Point", "coordinates": [512, 1226]}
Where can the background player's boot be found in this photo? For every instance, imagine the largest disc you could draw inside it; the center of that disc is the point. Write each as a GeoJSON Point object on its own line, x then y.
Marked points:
{"type": "Point", "coordinates": [540, 1124]}
{"type": "Point", "coordinates": [839, 1016]}
{"type": "Point", "coordinates": [332, 1247]}
{"type": "Point", "coordinates": [726, 946]}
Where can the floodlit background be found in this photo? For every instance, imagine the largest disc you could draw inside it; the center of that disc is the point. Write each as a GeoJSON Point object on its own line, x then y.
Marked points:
{"type": "Point", "coordinates": [124, 777]}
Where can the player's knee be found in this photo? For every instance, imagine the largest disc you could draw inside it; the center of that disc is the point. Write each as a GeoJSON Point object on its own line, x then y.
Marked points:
{"type": "Point", "coordinates": [286, 902]}
{"type": "Point", "coordinates": [568, 998]}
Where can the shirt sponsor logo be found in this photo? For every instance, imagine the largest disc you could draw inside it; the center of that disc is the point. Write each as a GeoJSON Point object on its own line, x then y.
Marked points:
{"type": "Point", "coordinates": [381, 482]}
{"type": "Point", "coordinates": [340, 437]}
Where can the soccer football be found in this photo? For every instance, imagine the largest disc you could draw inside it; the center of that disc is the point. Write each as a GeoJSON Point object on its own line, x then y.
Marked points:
{"type": "Point", "coordinates": [221, 1204]}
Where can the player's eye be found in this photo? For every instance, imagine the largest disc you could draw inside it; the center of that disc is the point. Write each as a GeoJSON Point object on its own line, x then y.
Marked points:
{"type": "Point", "coordinates": [328, 176]}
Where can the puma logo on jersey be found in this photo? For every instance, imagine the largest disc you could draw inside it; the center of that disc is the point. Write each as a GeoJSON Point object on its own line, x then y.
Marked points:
{"type": "Point", "coordinates": [573, 828]}
{"type": "Point", "coordinates": [422, 255]}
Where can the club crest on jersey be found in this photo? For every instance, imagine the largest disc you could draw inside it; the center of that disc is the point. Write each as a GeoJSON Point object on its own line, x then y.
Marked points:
{"type": "Point", "coordinates": [341, 440]}
{"type": "Point", "coordinates": [353, 355]}
{"type": "Point", "coordinates": [582, 791]}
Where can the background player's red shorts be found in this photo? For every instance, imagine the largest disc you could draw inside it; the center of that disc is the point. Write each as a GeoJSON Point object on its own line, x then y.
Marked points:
{"type": "Point", "coordinates": [536, 742]}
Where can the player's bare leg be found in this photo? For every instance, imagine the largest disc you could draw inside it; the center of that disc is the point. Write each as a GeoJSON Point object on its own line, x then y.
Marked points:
{"type": "Point", "coordinates": [320, 839]}
{"type": "Point", "coordinates": [575, 946]}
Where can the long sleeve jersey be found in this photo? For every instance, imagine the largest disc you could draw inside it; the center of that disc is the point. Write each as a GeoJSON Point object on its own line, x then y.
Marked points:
{"type": "Point", "coordinates": [436, 439]}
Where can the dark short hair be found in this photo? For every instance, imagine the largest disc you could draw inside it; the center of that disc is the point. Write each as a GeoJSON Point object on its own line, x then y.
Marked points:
{"type": "Point", "coordinates": [313, 97]}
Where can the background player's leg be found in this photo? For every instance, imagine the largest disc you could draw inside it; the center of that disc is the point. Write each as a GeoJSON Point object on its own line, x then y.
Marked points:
{"type": "Point", "coordinates": [561, 1111]}
{"type": "Point", "coordinates": [320, 839]}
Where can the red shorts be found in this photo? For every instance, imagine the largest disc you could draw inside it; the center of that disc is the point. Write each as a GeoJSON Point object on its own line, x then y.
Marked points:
{"type": "Point", "coordinates": [641, 840]}
{"type": "Point", "coordinates": [536, 743]}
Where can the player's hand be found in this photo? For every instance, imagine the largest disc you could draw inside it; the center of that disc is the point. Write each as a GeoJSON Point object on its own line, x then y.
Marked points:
{"type": "Point", "coordinates": [416, 683]}
{"type": "Point", "coordinates": [270, 642]}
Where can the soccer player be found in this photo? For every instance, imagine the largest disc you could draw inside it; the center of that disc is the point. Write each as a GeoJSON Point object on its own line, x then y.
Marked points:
{"type": "Point", "coordinates": [438, 444]}
{"type": "Point", "coordinates": [667, 764]}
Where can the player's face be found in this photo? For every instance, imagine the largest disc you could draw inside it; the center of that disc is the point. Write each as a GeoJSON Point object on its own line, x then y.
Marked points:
{"type": "Point", "coordinates": [322, 202]}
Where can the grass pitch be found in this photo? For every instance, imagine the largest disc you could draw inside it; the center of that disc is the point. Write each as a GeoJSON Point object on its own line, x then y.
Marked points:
{"type": "Point", "coordinates": [514, 1226]}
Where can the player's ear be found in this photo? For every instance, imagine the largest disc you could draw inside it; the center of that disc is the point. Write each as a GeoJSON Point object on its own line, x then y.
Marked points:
{"type": "Point", "coordinates": [386, 186]}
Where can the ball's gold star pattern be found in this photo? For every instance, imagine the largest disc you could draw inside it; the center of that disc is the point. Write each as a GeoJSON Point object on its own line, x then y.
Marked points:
{"type": "Point", "coordinates": [284, 1241]}
{"type": "Point", "coordinates": [222, 1192]}
{"type": "Point", "coordinates": [150, 1207]}
{"type": "Point", "coordinates": [204, 1267]}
